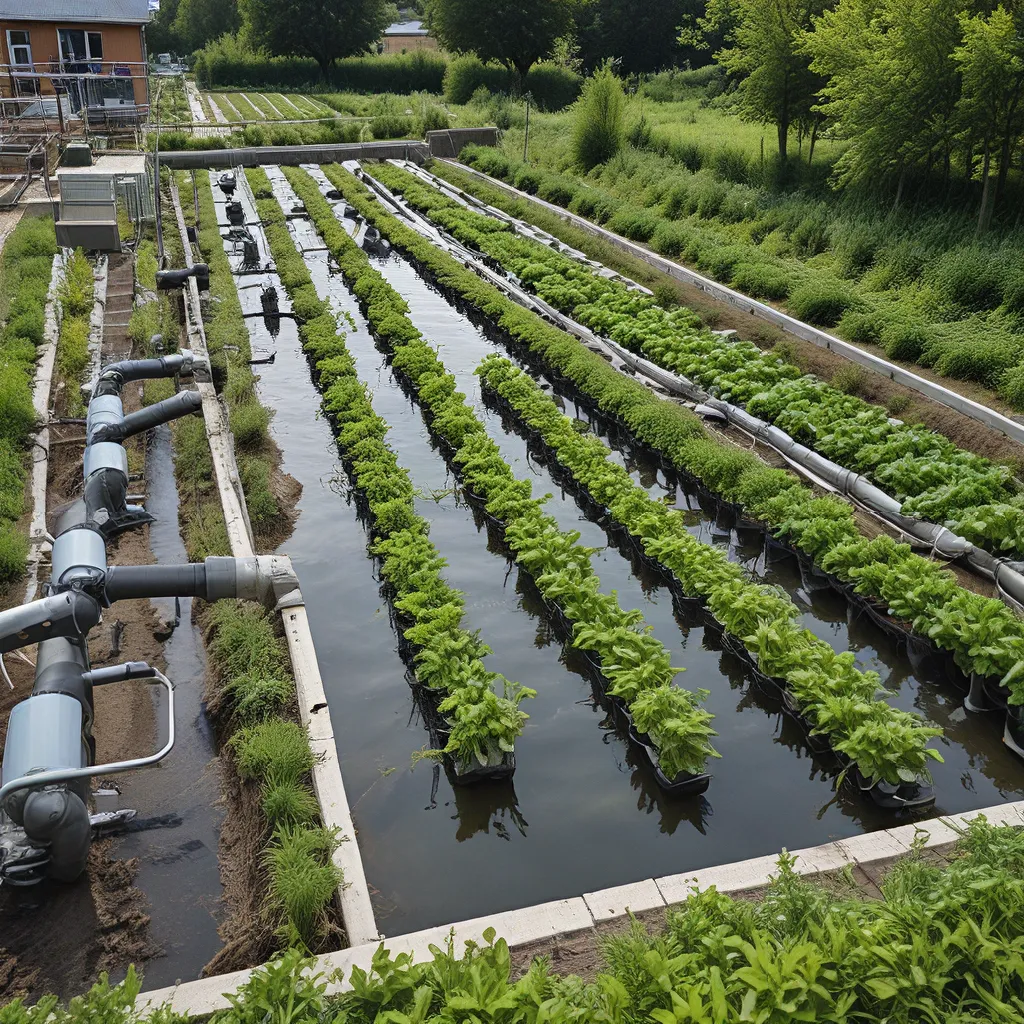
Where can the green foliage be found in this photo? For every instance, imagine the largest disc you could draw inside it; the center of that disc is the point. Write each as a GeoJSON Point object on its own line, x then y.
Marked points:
{"type": "Point", "coordinates": [821, 301]}
{"type": "Point", "coordinates": [273, 752]}
{"type": "Point", "coordinates": [303, 880]}
{"type": "Point", "coordinates": [550, 87]}
{"type": "Point", "coordinates": [940, 946]}
{"type": "Point", "coordinates": [325, 32]}
{"type": "Point", "coordinates": [598, 121]}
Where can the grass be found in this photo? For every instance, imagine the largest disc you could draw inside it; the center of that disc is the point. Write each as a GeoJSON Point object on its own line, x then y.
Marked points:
{"type": "Point", "coordinates": [256, 693]}
{"type": "Point", "coordinates": [25, 272]}
{"type": "Point", "coordinates": [75, 295]}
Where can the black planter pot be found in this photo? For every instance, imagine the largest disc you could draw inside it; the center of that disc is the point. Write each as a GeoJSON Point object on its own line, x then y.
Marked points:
{"type": "Point", "coordinates": [997, 694]}
{"type": "Point", "coordinates": [684, 784]}
{"type": "Point", "coordinates": [978, 698]}
{"type": "Point", "coordinates": [461, 774]}
{"type": "Point", "coordinates": [907, 795]}
{"type": "Point", "coordinates": [1013, 729]}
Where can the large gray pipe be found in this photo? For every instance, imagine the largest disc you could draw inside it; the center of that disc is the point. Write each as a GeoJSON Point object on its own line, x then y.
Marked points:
{"type": "Point", "coordinates": [182, 404]}
{"type": "Point", "coordinates": [115, 375]}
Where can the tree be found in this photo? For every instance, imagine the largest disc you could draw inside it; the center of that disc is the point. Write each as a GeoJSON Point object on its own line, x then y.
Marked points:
{"type": "Point", "coordinates": [199, 22]}
{"type": "Point", "coordinates": [515, 33]}
{"type": "Point", "coordinates": [161, 36]}
{"type": "Point", "coordinates": [325, 30]}
{"type": "Point", "coordinates": [891, 83]}
{"type": "Point", "coordinates": [764, 49]}
{"type": "Point", "coordinates": [991, 64]}
{"type": "Point", "coordinates": [642, 36]}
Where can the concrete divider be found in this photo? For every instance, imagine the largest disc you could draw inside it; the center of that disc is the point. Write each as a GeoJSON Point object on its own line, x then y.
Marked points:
{"type": "Point", "coordinates": [936, 392]}
{"type": "Point", "coordinates": [295, 155]}
{"type": "Point", "coordinates": [874, 850]}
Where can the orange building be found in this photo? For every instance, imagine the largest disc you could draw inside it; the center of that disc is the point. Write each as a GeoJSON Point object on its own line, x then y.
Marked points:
{"type": "Point", "coordinates": [93, 52]}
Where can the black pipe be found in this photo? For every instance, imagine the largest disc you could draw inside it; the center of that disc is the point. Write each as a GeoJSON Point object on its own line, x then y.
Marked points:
{"type": "Point", "coordinates": [115, 375]}
{"type": "Point", "coordinates": [182, 404]}
{"type": "Point", "coordinates": [126, 582]}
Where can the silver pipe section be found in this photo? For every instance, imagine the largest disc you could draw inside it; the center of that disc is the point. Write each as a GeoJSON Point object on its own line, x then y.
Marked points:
{"type": "Point", "coordinates": [184, 403]}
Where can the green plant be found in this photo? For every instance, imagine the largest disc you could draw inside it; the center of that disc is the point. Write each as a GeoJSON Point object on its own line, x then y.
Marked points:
{"type": "Point", "coordinates": [598, 125]}
{"type": "Point", "coordinates": [303, 880]}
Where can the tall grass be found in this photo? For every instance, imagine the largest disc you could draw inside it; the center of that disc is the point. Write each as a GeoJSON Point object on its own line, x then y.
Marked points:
{"type": "Point", "coordinates": [598, 128]}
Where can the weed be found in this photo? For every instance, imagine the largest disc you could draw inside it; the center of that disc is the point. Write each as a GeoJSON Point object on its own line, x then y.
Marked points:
{"type": "Point", "coordinates": [848, 379]}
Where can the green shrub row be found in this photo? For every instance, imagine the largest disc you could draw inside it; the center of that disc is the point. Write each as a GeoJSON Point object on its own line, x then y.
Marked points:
{"type": "Point", "coordinates": [933, 478]}
{"type": "Point", "coordinates": [75, 295]}
{"type": "Point", "coordinates": [25, 271]}
{"type": "Point", "coordinates": [255, 696]}
{"type": "Point", "coordinates": [940, 945]}
{"type": "Point", "coordinates": [550, 86]}
{"type": "Point", "coordinates": [632, 660]}
{"type": "Point", "coordinates": [420, 71]}
{"type": "Point", "coordinates": [982, 634]}
{"type": "Point", "coordinates": [925, 299]}
{"type": "Point", "coordinates": [227, 339]}
{"type": "Point", "coordinates": [838, 700]}
{"type": "Point", "coordinates": [448, 658]}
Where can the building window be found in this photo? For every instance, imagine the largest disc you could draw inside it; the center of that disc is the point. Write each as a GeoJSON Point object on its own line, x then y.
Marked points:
{"type": "Point", "coordinates": [19, 47]}
{"type": "Point", "coordinates": [78, 46]}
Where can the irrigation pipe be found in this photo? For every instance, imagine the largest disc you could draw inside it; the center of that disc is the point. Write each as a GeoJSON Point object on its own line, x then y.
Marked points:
{"type": "Point", "coordinates": [936, 392]}
{"type": "Point", "coordinates": [353, 897]}
{"type": "Point", "coordinates": [940, 541]}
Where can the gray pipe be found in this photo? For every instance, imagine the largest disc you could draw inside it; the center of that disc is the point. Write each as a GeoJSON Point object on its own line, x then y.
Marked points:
{"type": "Point", "coordinates": [115, 375]}
{"type": "Point", "coordinates": [60, 819]}
{"type": "Point", "coordinates": [182, 404]}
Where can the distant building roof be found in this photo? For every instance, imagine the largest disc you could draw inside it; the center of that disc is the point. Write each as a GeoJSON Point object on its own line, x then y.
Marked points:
{"type": "Point", "coordinates": [406, 28]}
{"type": "Point", "coordinates": [117, 12]}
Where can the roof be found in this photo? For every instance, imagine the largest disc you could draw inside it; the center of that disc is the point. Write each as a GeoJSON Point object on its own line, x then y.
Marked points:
{"type": "Point", "coordinates": [406, 28]}
{"type": "Point", "coordinates": [116, 12]}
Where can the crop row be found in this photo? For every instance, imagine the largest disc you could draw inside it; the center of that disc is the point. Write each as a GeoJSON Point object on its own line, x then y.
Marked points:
{"type": "Point", "coordinates": [75, 293]}
{"type": "Point", "coordinates": [932, 477]}
{"type": "Point", "coordinates": [634, 663]}
{"type": "Point", "coordinates": [837, 699]}
{"type": "Point", "coordinates": [448, 659]}
{"type": "Point", "coordinates": [982, 634]}
{"type": "Point", "coordinates": [25, 272]}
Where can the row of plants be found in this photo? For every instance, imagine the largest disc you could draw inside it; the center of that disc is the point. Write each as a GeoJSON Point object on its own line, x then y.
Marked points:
{"type": "Point", "coordinates": [253, 700]}
{"type": "Point", "coordinates": [227, 340]}
{"type": "Point", "coordinates": [923, 288]}
{"type": "Point", "coordinates": [838, 700]}
{"type": "Point", "coordinates": [942, 945]}
{"type": "Point", "coordinates": [75, 295]}
{"type": "Point", "coordinates": [634, 663]}
{"type": "Point", "coordinates": [982, 634]}
{"type": "Point", "coordinates": [26, 267]}
{"type": "Point", "coordinates": [932, 477]}
{"type": "Point", "coordinates": [481, 708]}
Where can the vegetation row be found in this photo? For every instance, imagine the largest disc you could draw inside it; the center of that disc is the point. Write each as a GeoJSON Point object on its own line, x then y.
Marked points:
{"type": "Point", "coordinates": [940, 945]}
{"type": "Point", "coordinates": [982, 634]}
{"type": "Point", "coordinates": [448, 659]}
{"type": "Point", "coordinates": [634, 663]}
{"type": "Point", "coordinates": [933, 478]}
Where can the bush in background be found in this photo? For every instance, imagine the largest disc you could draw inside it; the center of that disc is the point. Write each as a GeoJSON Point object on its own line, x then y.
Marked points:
{"type": "Point", "coordinates": [552, 87]}
{"type": "Point", "coordinates": [598, 129]}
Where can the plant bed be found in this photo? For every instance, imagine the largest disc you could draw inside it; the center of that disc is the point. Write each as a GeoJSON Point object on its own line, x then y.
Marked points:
{"type": "Point", "coordinates": [905, 796]}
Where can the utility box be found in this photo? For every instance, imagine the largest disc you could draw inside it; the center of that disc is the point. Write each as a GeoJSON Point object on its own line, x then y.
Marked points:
{"type": "Point", "coordinates": [77, 154]}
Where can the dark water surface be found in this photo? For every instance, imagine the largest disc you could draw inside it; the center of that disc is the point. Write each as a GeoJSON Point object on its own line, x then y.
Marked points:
{"type": "Point", "coordinates": [583, 811]}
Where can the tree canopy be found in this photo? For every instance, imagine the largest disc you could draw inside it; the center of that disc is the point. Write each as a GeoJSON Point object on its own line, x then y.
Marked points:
{"type": "Point", "coordinates": [515, 33]}
{"type": "Point", "coordinates": [643, 37]}
{"type": "Point", "coordinates": [325, 30]}
{"type": "Point", "coordinates": [198, 22]}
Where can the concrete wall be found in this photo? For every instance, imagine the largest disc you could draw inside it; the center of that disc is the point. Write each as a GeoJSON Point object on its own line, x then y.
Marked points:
{"type": "Point", "coordinates": [293, 155]}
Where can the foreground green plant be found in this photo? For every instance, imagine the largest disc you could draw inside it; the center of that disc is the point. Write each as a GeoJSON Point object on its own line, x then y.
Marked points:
{"type": "Point", "coordinates": [942, 945]}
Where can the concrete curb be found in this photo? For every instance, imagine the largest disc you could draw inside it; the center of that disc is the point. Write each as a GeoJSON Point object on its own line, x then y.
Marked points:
{"type": "Point", "coordinates": [99, 306]}
{"type": "Point", "coordinates": [41, 386]}
{"type": "Point", "coordinates": [935, 392]}
{"type": "Point", "coordinates": [564, 917]}
{"type": "Point", "coordinates": [353, 898]}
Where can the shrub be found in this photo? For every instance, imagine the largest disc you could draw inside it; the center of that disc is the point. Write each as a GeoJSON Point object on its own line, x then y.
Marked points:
{"type": "Point", "coordinates": [558, 189]}
{"type": "Point", "coordinates": [598, 128]}
{"type": "Point", "coordinates": [391, 126]}
{"type": "Point", "coordinates": [848, 379]}
{"type": "Point", "coordinates": [762, 280]}
{"type": "Point", "coordinates": [13, 552]}
{"type": "Point", "coordinates": [552, 87]}
{"type": "Point", "coordinates": [639, 225]}
{"type": "Point", "coordinates": [864, 326]}
{"type": "Point", "coordinates": [249, 421]}
{"type": "Point", "coordinates": [672, 239]}
{"type": "Point", "coordinates": [274, 751]}
{"type": "Point", "coordinates": [854, 246]}
{"type": "Point", "coordinates": [904, 340]}
{"type": "Point", "coordinates": [967, 278]}
{"type": "Point", "coordinates": [1011, 386]}
{"type": "Point", "coordinates": [729, 163]}
{"type": "Point", "coordinates": [302, 880]}
{"type": "Point", "coordinates": [639, 134]}
{"type": "Point", "coordinates": [821, 300]}
{"type": "Point", "coordinates": [719, 261]}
